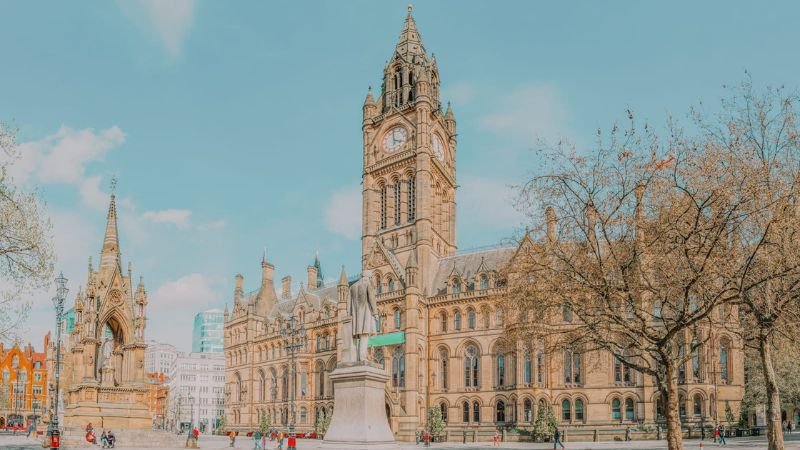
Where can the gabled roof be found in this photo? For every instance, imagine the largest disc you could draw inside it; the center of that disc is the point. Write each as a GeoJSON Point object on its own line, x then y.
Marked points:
{"type": "Point", "coordinates": [467, 265]}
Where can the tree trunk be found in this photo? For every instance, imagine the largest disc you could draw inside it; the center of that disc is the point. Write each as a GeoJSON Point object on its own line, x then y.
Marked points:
{"type": "Point", "coordinates": [774, 430]}
{"type": "Point", "coordinates": [671, 410]}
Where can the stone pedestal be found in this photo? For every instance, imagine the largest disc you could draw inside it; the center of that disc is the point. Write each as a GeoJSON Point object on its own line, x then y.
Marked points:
{"type": "Point", "coordinates": [359, 416]}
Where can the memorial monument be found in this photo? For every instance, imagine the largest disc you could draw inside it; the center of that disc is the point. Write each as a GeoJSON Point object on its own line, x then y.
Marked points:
{"type": "Point", "coordinates": [359, 419]}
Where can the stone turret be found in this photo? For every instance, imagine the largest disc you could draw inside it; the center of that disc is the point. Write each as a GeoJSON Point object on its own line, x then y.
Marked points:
{"type": "Point", "coordinates": [266, 298]}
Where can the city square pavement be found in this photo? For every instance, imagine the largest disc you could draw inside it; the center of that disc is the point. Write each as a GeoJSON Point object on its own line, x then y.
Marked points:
{"type": "Point", "coordinates": [221, 442]}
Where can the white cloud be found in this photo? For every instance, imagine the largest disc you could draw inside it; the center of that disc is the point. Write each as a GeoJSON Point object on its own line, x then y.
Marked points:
{"type": "Point", "coordinates": [486, 202]}
{"type": "Point", "coordinates": [62, 157]}
{"type": "Point", "coordinates": [172, 306]}
{"type": "Point", "coordinates": [181, 218]}
{"type": "Point", "coordinates": [529, 113]}
{"type": "Point", "coordinates": [169, 20]}
{"type": "Point", "coordinates": [343, 213]}
{"type": "Point", "coordinates": [459, 93]}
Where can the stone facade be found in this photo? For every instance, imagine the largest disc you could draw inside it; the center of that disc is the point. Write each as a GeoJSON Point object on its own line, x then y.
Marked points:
{"type": "Point", "coordinates": [106, 382]}
{"type": "Point", "coordinates": [439, 308]}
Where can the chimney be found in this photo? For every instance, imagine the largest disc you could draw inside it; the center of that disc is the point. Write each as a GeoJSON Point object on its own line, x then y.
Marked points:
{"type": "Point", "coordinates": [267, 271]}
{"type": "Point", "coordinates": [550, 217]}
{"type": "Point", "coordinates": [238, 292]}
{"type": "Point", "coordinates": [286, 287]}
{"type": "Point", "coordinates": [312, 277]}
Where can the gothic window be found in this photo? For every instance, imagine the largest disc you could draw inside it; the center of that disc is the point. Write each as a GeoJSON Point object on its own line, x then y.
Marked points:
{"type": "Point", "coordinates": [484, 282]}
{"type": "Point", "coordinates": [443, 322]}
{"type": "Point", "coordinates": [681, 365]}
{"type": "Point", "coordinates": [476, 412]}
{"type": "Point", "coordinates": [237, 387]}
{"type": "Point", "coordinates": [566, 411]}
{"type": "Point", "coordinates": [412, 199]}
{"type": "Point", "coordinates": [457, 321]}
{"type": "Point", "coordinates": [443, 374]}
{"type": "Point", "coordinates": [465, 412]}
{"type": "Point", "coordinates": [527, 370]}
{"type": "Point", "coordinates": [698, 405]}
{"type": "Point", "coordinates": [471, 367]}
{"type": "Point", "coordinates": [471, 319]}
{"type": "Point", "coordinates": [262, 386]}
{"type": "Point", "coordinates": [383, 207]}
{"type": "Point", "coordinates": [527, 410]}
{"type": "Point", "coordinates": [724, 361]}
{"type": "Point", "coordinates": [498, 317]}
{"type": "Point", "coordinates": [540, 368]}
{"type": "Point", "coordinates": [398, 319]}
{"type": "Point", "coordinates": [303, 383]}
{"type": "Point", "coordinates": [303, 415]}
{"type": "Point", "coordinates": [397, 203]}
{"type": "Point", "coordinates": [695, 363]}
{"type": "Point", "coordinates": [500, 411]}
{"type": "Point", "coordinates": [15, 362]}
{"type": "Point", "coordinates": [485, 318]}
{"type": "Point", "coordinates": [572, 367]}
{"type": "Point", "coordinates": [378, 357]}
{"type": "Point", "coordinates": [391, 284]}
{"type": "Point", "coordinates": [378, 286]}
{"type": "Point", "coordinates": [682, 405]}
{"type": "Point", "coordinates": [285, 385]}
{"type": "Point", "coordinates": [399, 368]}
{"type": "Point", "coordinates": [319, 345]}
{"type": "Point", "coordinates": [273, 388]}
{"type": "Point", "coordinates": [578, 409]}
{"type": "Point", "coordinates": [616, 409]}
{"type": "Point", "coordinates": [629, 409]}
{"type": "Point", "coordinates": [327, 342]}
{"type": "Point", "coordinates": [501, 369]}
{"type": "Point", "coordinates": [327, 312]}
{"type": "Point", "coordinates": [456, 286]}
{"type": "Point", "coordinates": [443, 409]}
{"type": "Point", "coordinates": [320, 381]}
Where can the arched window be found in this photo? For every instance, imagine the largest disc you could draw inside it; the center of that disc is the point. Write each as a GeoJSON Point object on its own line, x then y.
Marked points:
{"type": "Point", "coordinates": [443, 368]}
{"type": "Point", "coordinates": [527, 410]}
{"type": "Point", "coordinates": [285, 385]}
{"type": "Point", "coordinates": [391, 284]}
{"type": "Point", "coordinates": [498, 317]}
{"type": "Point", "coordinates": [681, 365]}
{"type": "Point", "coordinates": [327, 312]}
{"type": "Point", "coordinates": [273, 385]}
{"type": "Point", "coordinates": [457, 320]}
{"type": "Point", "coordinates": [527, 370]}
{"type": "Point", "coordinates": [443, 409]}
{"type": "Point", "coordinates": [660, 413]}
{"type": "Point", "coordinates": [500, 411]}
{"type": "Point", "coordinates": [327, 342]}
{"type": "Point", "coordinates": [303, 415]}
{"type": "Point", "coordinates": [383, 208]}
{"type": "Point", "coordinates": [572, 367]}
{"type": "Point", "coordinates": [682, 405]}
{"type": "Point", "coordinates": [399, 368]}
{"type": "Point", "coordinates": [501, 369]}
{"type": "Point", "coordinates": [540, 368]}
{"type": "Point", "coordinates": [319, 344]}
{"type": "Point", "coordinates": [378, 287]}
{"type": "Point", "coordinates": [262, 386]}
{"type": "Point", "coordinates": [629, 409]}
{"type": "Point", "coordinates": [456, 286]}
{"type": "Point", "coordinates": [303, 383]}
{"type": "Point", "coordinates": [695, 363]}
{"type": "Point", "coordinates": [396, 204]}
{"type": "Point", "coordinates": [724, 361]}
{"type": "Point", "coordinates": [471, 367]}
{"type": "Point", "coordinates": [657, 309]}
{"type": "Point", "coordinates": [398, 319]}
{"type": "Point", "coordinates": [476, 412]}
{"type": "Point", "coordinates": [698, 405]}
{"type": "Point", "coordinates": [412, 199]}
{"type": "Point", "coordinates": [237, 387]}
{"type": "Point", "coordinates": [321, 381]}
{"type": "Point", "coordinates": [566, 411]}
{"type": "Point", "coordinates": [443, 322]}
{"type": "Point", "coordinates": [484, 283]}
{"type": "Point", "coordinates": [465, 412]}
{"type": "Point", "coordinates": [616, 409]}
{"type": "Point", "coordinates": [471, 319]}
{"type": "Point", "coordinates": [578, 409]}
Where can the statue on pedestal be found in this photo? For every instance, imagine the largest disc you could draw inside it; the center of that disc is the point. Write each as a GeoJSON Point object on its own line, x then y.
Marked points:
{"type": "Point", "coordinates": [361, 309]}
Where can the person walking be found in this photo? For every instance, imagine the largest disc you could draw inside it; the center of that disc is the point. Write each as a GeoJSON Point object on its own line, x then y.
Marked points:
{"type": "Point", "coordinates": [496, 438]}
{"type": "Point", "coordinates": [280, 440]}
{"type": "Point", "coordinates": [722, 436]}
{"type": "Point", "coordinates": [232, 436]}
{"type": "Point", "coordinates": [557, 439]}
{"type": "Point", "coordinates": [264, 441]}
{"type": "Point", "coordinates": [627, 433]}
{"type": "Point", "coordinates": [257, 440]}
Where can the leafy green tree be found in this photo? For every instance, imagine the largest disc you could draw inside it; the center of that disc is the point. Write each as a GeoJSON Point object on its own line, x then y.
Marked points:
{"type": "Point", "coordinates": [221, 424]}
{"type": "Point", "coordinates": [323, 422]}
{"type": "Point", "coordinates": [545, 424]}
{"type": "Point", "coordinates": [435, 423]}
{"type": "Point", "coordinates": [265, 425]}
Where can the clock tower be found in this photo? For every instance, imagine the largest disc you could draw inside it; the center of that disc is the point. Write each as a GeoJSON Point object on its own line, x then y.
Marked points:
{"type": "Point", "coordinates": [409, 163]}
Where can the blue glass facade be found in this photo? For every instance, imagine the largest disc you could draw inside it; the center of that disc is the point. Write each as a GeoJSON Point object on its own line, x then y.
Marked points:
{"type": "Point", "coordinates": [207, 333]}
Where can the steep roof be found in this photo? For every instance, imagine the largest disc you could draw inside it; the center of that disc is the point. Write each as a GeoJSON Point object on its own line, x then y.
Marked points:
{"type": "Point", "coordinates": [468, 264]}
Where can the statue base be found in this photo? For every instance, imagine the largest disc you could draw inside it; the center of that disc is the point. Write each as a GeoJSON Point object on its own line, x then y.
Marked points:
{"type": "Point", "coordinates": [359, 417]}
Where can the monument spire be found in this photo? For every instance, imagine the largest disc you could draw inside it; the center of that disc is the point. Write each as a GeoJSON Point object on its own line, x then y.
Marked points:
{"type": "Point", "coordinates": [109, 255]}
{"type": "Point", "coordinates": [410, 42]}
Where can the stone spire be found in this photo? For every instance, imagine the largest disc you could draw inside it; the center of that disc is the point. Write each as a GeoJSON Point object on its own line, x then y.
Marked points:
{"type": "Point", "coordinates": [266, 297]}
{"type": "Point", "coordinates": [320, 278]}
{"type": "Point", "coordinates": [109, 255]}
{"type": "Point", "coordinates": [410, 42]}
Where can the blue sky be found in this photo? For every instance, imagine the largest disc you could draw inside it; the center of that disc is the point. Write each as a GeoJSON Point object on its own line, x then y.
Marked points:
{"type": "Point", "coordinates": [236, 126]}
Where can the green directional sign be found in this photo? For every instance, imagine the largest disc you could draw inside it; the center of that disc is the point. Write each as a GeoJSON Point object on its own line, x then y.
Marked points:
{"type": "Point", "coordinates": [382, 340]}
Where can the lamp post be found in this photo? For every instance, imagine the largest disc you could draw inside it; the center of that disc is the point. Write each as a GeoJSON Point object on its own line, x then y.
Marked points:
{"type": "Point", "coordinates": [58, 302]}
{"type": "Point", "coordinates": [294, 331]}
{"type": "Point", "coordinates": [16, 401]}
{"type": "Point", "coordinates": [190, 432]}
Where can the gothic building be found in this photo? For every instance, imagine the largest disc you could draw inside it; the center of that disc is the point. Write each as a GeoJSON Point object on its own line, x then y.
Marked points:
{"type": "Point", "coordinates": [441, 331]}
{"type": "Point", "coordinates": [105, 382]}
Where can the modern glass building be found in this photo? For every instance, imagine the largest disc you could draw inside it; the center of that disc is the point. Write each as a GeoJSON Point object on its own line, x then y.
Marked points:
{"type": "Point", "coordinates": [207, 334]}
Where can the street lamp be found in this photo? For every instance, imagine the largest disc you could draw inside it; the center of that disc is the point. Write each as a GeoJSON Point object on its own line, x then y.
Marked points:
{"type": "Point", "coordinates": [294, 331]}
{"type": "Point", "coordinates": [190, 432]}
{"type": "Point", "coordinates": [58, 302]}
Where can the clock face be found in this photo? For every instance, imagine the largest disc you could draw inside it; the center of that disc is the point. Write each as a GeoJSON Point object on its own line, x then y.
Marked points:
{"type": "Point", "coordinates": [438, 147]}
{"type": "Point", "coordinates": [395, 138]}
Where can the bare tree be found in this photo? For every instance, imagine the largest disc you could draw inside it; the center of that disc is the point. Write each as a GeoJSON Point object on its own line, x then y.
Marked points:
{"type": "Point", "coordinates": [758, 132]}
{"type": "Point", "coordinates": [26, 251]}
{"type": "Point", "coordinates": [634, 256]}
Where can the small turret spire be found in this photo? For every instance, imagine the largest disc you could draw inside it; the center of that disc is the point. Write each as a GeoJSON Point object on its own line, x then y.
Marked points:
{"type": "Point", "coordinates": [109, 255]}
{"type": "Point", "coordinates": [343, 277]}
{"type": "Point", "coordinates": [410, 42]}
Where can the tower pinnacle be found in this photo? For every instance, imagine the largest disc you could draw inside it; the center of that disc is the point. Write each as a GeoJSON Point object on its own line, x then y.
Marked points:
{"type": "Point", "coordinates": [410, 42]}
{"type": "Point", "coordinates": [109, 255]}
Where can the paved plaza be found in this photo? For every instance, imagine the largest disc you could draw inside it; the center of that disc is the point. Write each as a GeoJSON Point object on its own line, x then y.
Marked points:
{"type": "Point", "coordinates": [221, 443]}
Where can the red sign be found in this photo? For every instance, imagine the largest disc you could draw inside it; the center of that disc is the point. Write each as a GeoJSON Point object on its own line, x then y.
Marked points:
{"type": "Point", "coordinates": [55, 441]}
